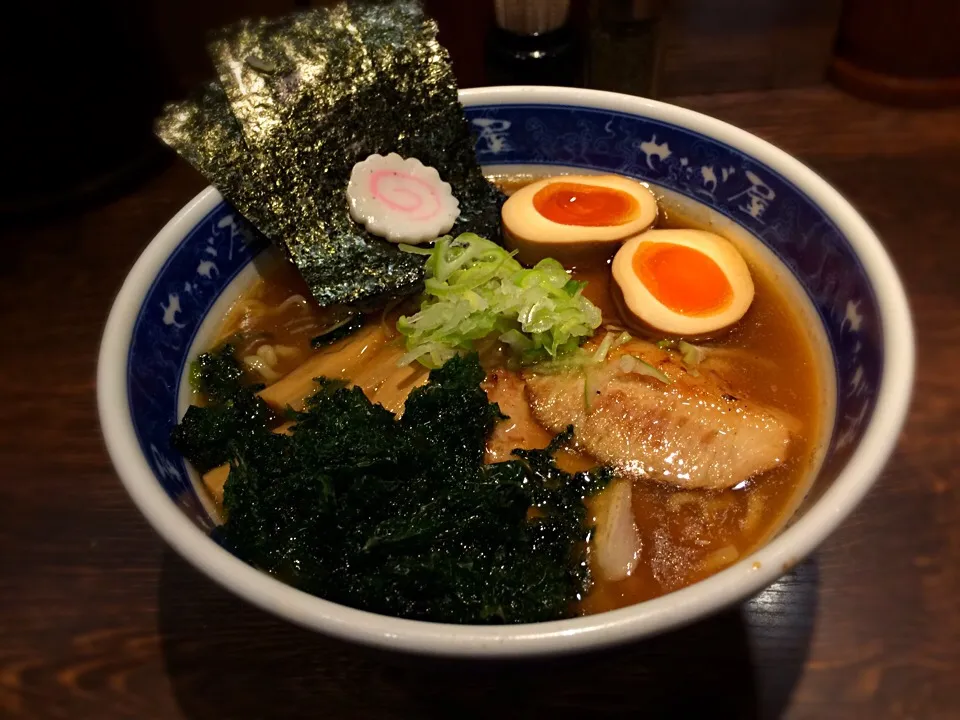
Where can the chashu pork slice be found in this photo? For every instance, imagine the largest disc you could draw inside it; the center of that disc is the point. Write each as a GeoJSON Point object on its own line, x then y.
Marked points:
{"type": "Point", "coordinates": [691, 433]}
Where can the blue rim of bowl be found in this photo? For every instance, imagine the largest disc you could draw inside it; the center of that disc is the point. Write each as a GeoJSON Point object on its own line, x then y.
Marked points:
{"type": "Point", "coordinates": [571, 635]}
{"type": "Point", "coordinates": [257, 245]}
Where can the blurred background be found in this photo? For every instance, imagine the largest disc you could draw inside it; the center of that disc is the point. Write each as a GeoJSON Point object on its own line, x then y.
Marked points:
{"type": "Point", "coordinates": [85, 79]}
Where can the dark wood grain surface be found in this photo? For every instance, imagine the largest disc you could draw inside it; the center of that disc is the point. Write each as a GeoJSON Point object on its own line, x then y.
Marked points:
{"type": "Point", "coordinates": [99, 620]}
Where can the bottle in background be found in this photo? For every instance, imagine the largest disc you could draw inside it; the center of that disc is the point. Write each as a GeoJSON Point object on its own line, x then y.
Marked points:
{"type": "Point", "coordinates": [533, 43]}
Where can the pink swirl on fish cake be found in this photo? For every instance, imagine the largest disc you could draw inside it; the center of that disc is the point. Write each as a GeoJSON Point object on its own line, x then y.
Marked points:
{"type": "Point", "coordinates": [392, 194]}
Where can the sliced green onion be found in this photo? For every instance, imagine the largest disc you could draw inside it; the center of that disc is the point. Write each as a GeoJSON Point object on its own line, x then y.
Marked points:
{"type": "Point", "coordinates": [631, 364]}
{"type": "Point", "coordinates": [588, 389]}
{"type": "Point", "coordinates": [474, 289]}
{"type": "Point", "coordinates": [414, 249]}
{"type": "Point", "coordinates": [601, 354]}
{"type": "Point", "coordinates": [692, 355]}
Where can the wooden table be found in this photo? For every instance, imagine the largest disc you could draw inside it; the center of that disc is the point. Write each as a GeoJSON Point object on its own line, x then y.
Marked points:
{"type": "Point", "coordinates": [98, 619]}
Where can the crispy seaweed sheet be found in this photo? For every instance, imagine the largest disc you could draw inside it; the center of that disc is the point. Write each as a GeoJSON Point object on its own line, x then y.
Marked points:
{"type": "Point", "coordinates": [203, 130]}
{"type": "Point", "coordinates": [300, 100]}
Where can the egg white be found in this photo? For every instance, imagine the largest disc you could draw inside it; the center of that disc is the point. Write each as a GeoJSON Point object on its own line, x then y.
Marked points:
{"type": "Point", "coordinates": [646, 311]}
{"type": "Point", "coordinates": [534, 237]}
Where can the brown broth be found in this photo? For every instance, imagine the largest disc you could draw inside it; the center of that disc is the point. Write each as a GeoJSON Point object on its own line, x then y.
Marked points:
{"type": "Point", "coordinates": [685, 535]}
{"type": "Point", "coordinates": [277, 311]}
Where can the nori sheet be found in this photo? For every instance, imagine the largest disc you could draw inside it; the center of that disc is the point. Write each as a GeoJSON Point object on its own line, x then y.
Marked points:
{"type": "Point", "coordinates": [311, 94]}
{"type": "Point", "coordinates": [203, 130]}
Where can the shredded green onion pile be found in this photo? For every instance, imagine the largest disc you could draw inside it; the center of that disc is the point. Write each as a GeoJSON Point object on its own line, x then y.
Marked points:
{"type": "Point", "coordinates": [474, 289]}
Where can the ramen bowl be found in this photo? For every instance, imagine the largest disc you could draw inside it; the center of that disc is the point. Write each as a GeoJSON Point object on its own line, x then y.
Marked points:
{"type": "Point", "coordinates": [200, 261]}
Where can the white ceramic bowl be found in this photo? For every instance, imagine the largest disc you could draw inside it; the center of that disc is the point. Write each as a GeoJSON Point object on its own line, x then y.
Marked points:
{"type": "Point", "coordinates": [830, 250]}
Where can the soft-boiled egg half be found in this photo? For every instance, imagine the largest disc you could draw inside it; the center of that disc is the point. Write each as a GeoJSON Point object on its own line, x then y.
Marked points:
{"type": "Point", "coordinates": [681, 282]}
{"type": "Point", "coordinates": [576, 217]}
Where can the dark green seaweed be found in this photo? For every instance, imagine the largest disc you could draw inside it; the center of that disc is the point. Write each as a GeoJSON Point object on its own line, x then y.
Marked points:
{"type": "Point", "coordinates": [338, 332]}
{"type": "Point", "coordinates": [234, 415]}
{"type": "Point", "coordinates": [312, 94]}
{"type": "Point", "coordinates": [403, 517]}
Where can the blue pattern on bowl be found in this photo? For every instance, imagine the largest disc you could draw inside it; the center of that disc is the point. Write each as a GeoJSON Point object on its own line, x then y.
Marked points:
{"type": "Point", "coordinates": [185, 289]}
{"type": "Point", "coordinates": [748, 192]}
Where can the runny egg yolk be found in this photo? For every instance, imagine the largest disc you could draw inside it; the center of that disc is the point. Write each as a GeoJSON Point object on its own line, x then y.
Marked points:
{"type": "Point", "coordinates": [683, 279]}
{"type": "Point", "coordinates": [567, 203]}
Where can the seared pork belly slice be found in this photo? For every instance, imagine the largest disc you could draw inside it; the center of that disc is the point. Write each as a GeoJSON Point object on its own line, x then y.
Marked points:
{"type": "Point", "coordinates": [691, 433]}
